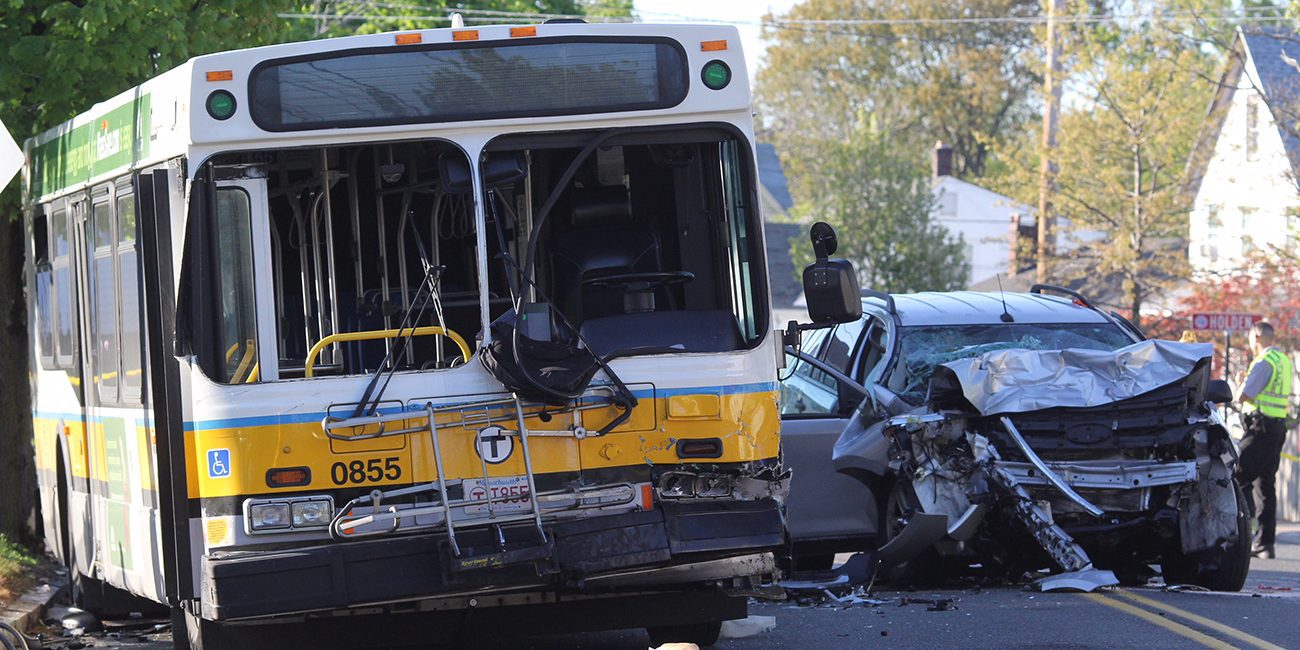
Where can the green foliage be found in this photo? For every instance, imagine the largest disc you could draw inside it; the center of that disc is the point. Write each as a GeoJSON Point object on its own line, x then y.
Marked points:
{"type": "Point", "coordinates": [967, 84]}
{"type": "Point", "coordinates": [16, 561]}
{"type": "Point", "coordinates": [880, 202]}
{"type": "Point", "coordinates": [319, 19]}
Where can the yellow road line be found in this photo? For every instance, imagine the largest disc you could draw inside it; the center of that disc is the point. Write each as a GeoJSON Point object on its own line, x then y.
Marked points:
{"type": "Point", "coordinates": [1200, 620]}
{"type": "Point", "coordinates": [1291, 457]}
{"type": "Point", "coordinates": [1158, 620]}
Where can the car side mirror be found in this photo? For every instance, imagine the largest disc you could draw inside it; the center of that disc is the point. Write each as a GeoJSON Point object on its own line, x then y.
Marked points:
{"type": "Point", "coordinates": [1218, 391]}
{"type": "Point", "coordinates": [830, 286]}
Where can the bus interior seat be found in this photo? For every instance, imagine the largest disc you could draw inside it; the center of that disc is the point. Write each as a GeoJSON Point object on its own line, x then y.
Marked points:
{"type": "Point", "coordinates": [602, 239]}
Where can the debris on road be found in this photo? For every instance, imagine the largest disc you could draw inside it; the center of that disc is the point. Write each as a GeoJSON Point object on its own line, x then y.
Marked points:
{"type": "Point", "coordinates": [747, 627]}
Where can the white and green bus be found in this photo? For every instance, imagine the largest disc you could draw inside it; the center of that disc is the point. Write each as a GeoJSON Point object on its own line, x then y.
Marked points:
{"type": "Point", "coordinates": [372, 333]}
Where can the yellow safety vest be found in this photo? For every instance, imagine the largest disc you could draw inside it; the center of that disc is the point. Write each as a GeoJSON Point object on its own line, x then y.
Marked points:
{"type": "Point", "coordinates": [1275, 400]}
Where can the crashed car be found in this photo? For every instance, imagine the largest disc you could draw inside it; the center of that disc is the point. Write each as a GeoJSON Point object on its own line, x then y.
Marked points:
{"type": "Point", "coordinates": [1013, 433]}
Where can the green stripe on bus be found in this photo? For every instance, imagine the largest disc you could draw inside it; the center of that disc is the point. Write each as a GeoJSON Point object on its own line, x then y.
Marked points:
{"type": "Point", "coordinates": [110, 141]}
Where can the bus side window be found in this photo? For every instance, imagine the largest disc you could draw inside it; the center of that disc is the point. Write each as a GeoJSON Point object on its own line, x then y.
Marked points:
{"type": "Point", "coordinates": [44, 290]}
{"type": "Point", "coordinates": [103, 315]}
{"type": "Point", "coordinates": [65, 347]}
{"type": "Point", "coordinates": [236, 331]}
{"type": "Point", "coordinates": [129, 298]}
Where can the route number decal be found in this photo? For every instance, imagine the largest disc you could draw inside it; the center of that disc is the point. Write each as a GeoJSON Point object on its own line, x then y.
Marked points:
{"type": "Point", "coordinates": [368, 471]}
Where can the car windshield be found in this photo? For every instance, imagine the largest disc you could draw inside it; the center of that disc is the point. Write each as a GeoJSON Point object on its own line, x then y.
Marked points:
{"type": "Point", "coordinates": [925, 348]}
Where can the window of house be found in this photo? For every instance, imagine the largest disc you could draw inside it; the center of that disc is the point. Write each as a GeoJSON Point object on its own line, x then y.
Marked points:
{"type": "Point", "coordinates": [1252, 126]}
{"type": "Point", "coordinates": [1213, 218]}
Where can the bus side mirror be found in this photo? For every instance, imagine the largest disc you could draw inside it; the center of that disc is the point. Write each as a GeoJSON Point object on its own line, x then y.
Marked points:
{"type": "Point", "coordinates": [830, 286]}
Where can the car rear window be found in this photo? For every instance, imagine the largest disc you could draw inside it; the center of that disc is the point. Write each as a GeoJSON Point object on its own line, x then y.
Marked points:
{"type": "Point", "coordinates": [925, 348]}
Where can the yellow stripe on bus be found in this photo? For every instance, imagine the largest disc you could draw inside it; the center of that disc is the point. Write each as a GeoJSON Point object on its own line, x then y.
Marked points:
{"type": "Point", "coordinates": [748, 426]}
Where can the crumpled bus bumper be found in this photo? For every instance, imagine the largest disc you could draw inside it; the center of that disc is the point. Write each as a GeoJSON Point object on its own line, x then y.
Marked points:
{"type": "Point", "coordinates": [677, 543]}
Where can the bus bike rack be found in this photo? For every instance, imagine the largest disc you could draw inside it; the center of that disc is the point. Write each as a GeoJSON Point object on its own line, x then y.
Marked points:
{"type": "Point", "coordinates": [481, 413]}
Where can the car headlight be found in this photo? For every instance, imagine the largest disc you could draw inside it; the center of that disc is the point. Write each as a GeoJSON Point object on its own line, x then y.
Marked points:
{"type": "Point", "coordinates": [269, 516]}
{"type": "Point", "coordinates": [311, 514]}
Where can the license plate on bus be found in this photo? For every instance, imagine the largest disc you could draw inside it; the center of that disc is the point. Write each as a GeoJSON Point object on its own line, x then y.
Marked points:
{"type": "Point", "coordinates": [509, 494]}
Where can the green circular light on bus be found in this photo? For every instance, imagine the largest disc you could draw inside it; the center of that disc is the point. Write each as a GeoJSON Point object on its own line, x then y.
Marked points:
{"type": "Point", "coordinates": [716, 75]}
{"type": "Point", "coordinates": [221, 104]}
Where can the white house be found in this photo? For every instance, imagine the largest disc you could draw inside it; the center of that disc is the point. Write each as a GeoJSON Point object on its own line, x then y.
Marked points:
{"type": "Point", "coordinates": [1244, 166]}
{"type": "Point", "coordinates": [987, 221]}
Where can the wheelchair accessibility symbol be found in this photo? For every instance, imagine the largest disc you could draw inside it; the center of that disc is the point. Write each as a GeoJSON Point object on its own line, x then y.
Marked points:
{"type": "Point", "coordinates": [218, 463]}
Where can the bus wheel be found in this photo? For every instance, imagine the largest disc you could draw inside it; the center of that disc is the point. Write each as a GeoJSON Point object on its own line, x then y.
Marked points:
{"type": "Point", "coordinates": [81, 586]}
{"type": "Point", "coordinates": [701, 634]}
{"type": "Point", "coordinates": [191, 632]}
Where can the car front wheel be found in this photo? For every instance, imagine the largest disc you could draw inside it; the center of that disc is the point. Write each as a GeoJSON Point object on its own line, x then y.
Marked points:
{"type": "Point", "coordinates": [1222, 569]}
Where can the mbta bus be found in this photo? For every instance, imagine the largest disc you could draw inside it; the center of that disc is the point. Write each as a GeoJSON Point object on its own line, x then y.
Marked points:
{"type": "Point", "coordinates": [438, 331]}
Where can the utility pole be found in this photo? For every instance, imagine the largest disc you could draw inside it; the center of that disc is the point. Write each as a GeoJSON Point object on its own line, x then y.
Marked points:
{"type": "Point", "coordinates": [1051, 117]}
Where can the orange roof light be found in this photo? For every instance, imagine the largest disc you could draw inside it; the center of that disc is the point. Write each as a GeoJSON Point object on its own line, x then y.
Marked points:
{"type": "Point", "coordinates": [517, 32]}
{"type": "Point", "coordinates": [408, 39]}
{"type": "Point", "coordinates": [221, 75]}
{"type": "Point", "coordinates": [713, 46]}
{"type": "Point", "coordinates": [465, 35]}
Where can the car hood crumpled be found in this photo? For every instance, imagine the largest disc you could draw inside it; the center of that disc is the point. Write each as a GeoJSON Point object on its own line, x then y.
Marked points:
{"type": "Point", "coordinates": [1018, 381]}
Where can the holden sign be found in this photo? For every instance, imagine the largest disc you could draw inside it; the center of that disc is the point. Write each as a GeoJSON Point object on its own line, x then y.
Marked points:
{"type": "Point", "coordinates": [1225, 321]}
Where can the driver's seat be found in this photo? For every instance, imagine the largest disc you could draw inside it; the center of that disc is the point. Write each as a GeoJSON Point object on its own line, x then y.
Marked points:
{"type": "Point", "coordinates": [601, 238]}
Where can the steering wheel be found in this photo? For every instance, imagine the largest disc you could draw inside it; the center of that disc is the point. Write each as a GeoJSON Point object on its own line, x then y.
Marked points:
{"type": "Point", "coordinates": [641, 282]}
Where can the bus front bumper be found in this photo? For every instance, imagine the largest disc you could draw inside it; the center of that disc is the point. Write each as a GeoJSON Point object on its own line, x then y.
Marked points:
{"type": "Point", "coordinates": [677, 544]}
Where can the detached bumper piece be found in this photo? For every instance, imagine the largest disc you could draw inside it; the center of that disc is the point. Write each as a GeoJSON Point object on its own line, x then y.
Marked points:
{"type": "Point", "coordinates": [337, 576]}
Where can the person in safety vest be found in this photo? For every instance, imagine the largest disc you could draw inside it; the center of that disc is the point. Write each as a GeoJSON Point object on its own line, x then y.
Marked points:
{"type": "Point", "coordinates": [1265, 399]}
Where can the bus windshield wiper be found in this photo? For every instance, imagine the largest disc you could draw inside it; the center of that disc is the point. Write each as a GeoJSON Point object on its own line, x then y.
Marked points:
{"type": "Point", "coordinates": [425, 294]}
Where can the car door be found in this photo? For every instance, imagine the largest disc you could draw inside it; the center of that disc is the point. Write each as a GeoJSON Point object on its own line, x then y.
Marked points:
{"type": "Point", "coordinates": [835, 511]}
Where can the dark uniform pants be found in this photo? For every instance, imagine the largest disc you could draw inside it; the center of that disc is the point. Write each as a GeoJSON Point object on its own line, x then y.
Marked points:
{"type": "Point", "coordinates": [1261, 452]}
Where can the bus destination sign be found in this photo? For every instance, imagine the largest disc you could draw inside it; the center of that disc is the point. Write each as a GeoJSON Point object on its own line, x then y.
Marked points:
{"type": "Point", "coordinates": [1224, 321]}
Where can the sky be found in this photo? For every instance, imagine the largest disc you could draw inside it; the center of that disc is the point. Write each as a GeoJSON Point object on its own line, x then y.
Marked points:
{"type": "Point", "coordinates": [744, 14]}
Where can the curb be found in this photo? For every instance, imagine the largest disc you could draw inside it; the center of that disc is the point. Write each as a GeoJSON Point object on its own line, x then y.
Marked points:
{"type": "Point", "coordinates": [30, 607]}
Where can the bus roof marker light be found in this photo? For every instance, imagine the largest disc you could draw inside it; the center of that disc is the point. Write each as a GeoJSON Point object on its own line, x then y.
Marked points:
{"type": "Point", "coordinates": [408, 39]}
{"type": "Point", "coordinates": [713, 46]}
{"type": "Point", "coordinates": [221, 104]}
{"type": "Point", "coordinates": [520, 32]}
{"type": "Point", "coordinates": [716, 75]}
{"type": "Point", "coordinates": [220, 75]}
{"type": "Point", "coordinates": [465, 35]}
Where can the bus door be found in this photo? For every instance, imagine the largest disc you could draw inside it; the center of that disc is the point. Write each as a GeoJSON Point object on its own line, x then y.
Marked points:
{"type": "Point", "coordinates": [85, 518]}
{"type": "Point", "coordinates": [243, 232]}
{"type": "Point", "coordinates": [121, 458]}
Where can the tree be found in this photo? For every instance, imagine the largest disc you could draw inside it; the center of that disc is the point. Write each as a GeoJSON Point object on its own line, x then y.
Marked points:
{"type": "Point", "coordinates": [56, 59]}
{"type": "Point", "coordinates": [967, 83]}
{"type": "Point", "coordinates": [880, 202]}
{"type": "Point", "coordinates": [1123, 155]}
{"type": "Point", "coordinates": [322, 18]}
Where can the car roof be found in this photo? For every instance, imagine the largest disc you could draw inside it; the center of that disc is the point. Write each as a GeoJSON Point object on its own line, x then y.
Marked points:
{"type": "Point", "coordinates": [980, 308]}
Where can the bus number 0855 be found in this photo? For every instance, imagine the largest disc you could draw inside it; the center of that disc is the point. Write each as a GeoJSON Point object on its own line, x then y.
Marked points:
{"type": "Point", "coordinates": [368, 471]}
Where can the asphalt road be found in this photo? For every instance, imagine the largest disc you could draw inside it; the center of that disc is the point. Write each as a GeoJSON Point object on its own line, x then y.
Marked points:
{"type": "Point", "coordinates": [1265, 615]}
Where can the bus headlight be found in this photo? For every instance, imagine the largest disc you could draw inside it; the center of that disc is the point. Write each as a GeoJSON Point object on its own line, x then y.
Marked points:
{"type": "Point", "coordinates": [268, 516]}
{"type": "Point", "coordinates": [312, 514]}
{"type": "Point", "coordinates": [288, 514]}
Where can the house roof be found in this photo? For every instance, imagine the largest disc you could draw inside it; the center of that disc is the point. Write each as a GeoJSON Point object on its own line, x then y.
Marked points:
{"type": "Point", "coordinates": [1274, 53]}
{"type": "Point", "coordinates": [785, 287]}
{"type": "Point", "coordinates": [772, 177]}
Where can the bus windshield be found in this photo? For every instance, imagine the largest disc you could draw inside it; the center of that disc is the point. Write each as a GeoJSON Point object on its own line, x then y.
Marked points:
{"type": "Point", "coordinates": [651, 246]}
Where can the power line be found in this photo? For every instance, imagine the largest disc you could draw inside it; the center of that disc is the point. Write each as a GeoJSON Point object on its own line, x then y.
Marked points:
{"type": "Point", "coordinates": [808, 26]}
